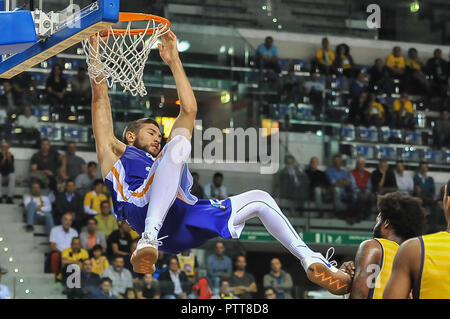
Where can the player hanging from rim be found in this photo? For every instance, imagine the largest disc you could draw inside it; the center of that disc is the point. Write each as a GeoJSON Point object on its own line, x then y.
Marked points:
{"type": "Point", "coordinates": [151, 188]}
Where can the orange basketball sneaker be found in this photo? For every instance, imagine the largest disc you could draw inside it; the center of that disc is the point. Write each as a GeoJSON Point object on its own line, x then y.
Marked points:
{"type": "Point", "coordinates": [326, 275]}
{"type": "Point", "coordinates": [145, 256]}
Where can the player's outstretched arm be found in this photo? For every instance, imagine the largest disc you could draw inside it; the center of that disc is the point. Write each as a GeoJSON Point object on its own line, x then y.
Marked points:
{"type": "Point", "coordinates": [184, 124]}
{"type": "Point", "coordinates": [109, 148]}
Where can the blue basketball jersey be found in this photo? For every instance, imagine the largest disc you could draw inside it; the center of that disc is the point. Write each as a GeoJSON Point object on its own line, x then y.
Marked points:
{"type": "Point", "coordinates": [189, 222]}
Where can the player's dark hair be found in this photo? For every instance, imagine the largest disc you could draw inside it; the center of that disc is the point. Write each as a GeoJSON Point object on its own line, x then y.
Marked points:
{"type": "Point", "coordinates": [404, 213]}
{"type": "Point", "coordinates": [92, 164]}
{"type": "Point", "coordinates": [75, 238]}
{"type": "Point", "coordinates": [135, 126]}
{"type": "Point", "coordinates": [105, 279]}
{"type": "Point", "coordinates": [218, 174]}
{"type": "Point", "coordinates": [97, 247]}
{"type": "Point", "coordinates": [103, 202]}
{"type": "Point", "coordinates": [98, 181]}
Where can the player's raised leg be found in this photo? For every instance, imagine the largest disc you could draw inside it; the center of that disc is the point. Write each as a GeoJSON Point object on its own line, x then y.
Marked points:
{"type": "Point", "coordinates": [260, 204]}
{"type": "Point", "coordinates": [171, 161]}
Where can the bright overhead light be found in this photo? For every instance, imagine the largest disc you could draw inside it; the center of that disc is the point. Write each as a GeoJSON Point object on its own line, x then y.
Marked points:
{"type": "Point", "coordinates": [183, 46]}
{"type": "Point", "coordinates": [264, 7]}
{"type": "Point", "coordinates": [414, 6]}
{"type": "Point", "coordinates": [274, 20]}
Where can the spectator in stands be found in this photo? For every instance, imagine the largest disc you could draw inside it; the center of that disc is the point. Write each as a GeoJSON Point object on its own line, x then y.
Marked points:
{"type": "Point", "coordinates": [7, 172]}
{"type": "Point", "coordinates": [162, 264]}
{"type": "Point", "coordinates": [438, 70]}
{"type": "Point", "coordinates": [148, 288]}
{"type": "Point", "coordinates": [343, 64]}
{"type": "Point", "coordinates": [383, 179]}
{"type": "Point", "coordinates": [269, 293]}
{"type": "Point", "coordinates": [60, 239]}
{"type": "Point", "coordinates": [216, 189]}
{"type": "Point", "coordinates": [290, 88]}
{"type": "Point", "coordinates": [56, 86]}
{"type": "Point", "coordinates": [358, 85]}
{"type": "Point", "coordinates": [5, 123]}
{"type": "Point", "coordinates": [104, 291]}
{"type": "Point", "coordinates": [403, 112]}
{"type": "Point", "coordinates": [38, 208]}
{"type": "Point", "coordinates": [292, 184]}
{"type": "Point", "coordinates": [225, 291]}
{"type": "Point", "coordinates": [4, 290]}
{"type": "Point", "coordinates": [358, 114]}
{"type": "Point", "coordinates": [120, 276]}
{"type": "Point", "coordinates": [89, 281]}
{"type": "Point", "coordinates": [416, 80]}
{"type": "Point", "coordinates": [324, 58]}
{"type": "Point", "coordinates": [268, 55]}
{"type": "Point", "coordinates": [93, 199]}
{"type": "Point", "coordinates": [174, 283]}
{"type": "Point", "coordinates": [91, 236]}
{"type": "Point", "coordinates": [70, 202]}
{"type": "Point", "coordinates": [318, 183]}
{"type": "Point", "coordinates": [314, 88]}
{"type": "Point", "coordinates": [403, 180]}
{"type": "Point", "coordinates": [218, 266]}
{"type": "Point", "coordinates": [379, 80]}
{"type": "Point", "coordinates": [29, 125]}
{"type": "Point", "coordinates": [119, 243]}
{"type": "Point", "coordinates": [188, 264]}
{"type": "Point", "coordinates": [81, 88]}
{"type": "Point", "coordinates": [442, 131]}
{"type": "Point", "coordinates": [25, 90]}
{"type": "Point", "coordinates": [73, 255]}
{"type": "Point", "coordinates": [46, 165]}
{"type": "Point", "coordinates": [242, 282]}
{"type": "Point", "coordinates": [85, 181]}
{"type": "Point", "coordinates": [7, 97]}
{"type": "Point", "coordinates": [364, 199]}
{"type": "Point", "coordinates": [395, 63]}
{"type": "Point", "coordinates": [75, 164]}
{"type": "Point", "coordinates": [376, 111]}
{"type": "Point", "coordinates": [341, 183]}
{"type": "Point", "coordinates": [279, 280]}
{"type": "Point", "coordinates": [99, 261]}
{"type": "Point", "coordinates": [425, 184]}
{"type": "Point", "coordinates": [197, 189]}
{"type": "Point", "coordinates": [106, 222]}
{"type": "Point", "coordinates": [130, 293]}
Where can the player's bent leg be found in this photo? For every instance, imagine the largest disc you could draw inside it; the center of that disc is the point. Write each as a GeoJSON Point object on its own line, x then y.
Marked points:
{"type": "Point", "coordinates": [162, 193]}
{"type": "Point", "coordinates": [260, 204]}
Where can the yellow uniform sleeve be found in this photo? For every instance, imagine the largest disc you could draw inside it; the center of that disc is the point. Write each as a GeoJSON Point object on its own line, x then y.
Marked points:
{"type": "Point", "coordinates": [87, 199]}
{"type": "Point", "coordinates": [65, 253]}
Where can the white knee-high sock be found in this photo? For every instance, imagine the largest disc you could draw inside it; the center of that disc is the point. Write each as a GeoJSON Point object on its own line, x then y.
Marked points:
{"type": "Point", "coordinates": [164, 188]}
{"type": "Point", "coordinates": [260, 204]}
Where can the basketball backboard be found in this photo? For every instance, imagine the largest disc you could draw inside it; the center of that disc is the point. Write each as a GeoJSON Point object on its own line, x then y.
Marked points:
{"type": "Point", "coordinates": [59, 25]}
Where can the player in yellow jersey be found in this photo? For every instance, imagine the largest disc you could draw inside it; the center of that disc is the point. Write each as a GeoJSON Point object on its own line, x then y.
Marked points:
{"type": "Point", "coordinates": [423, 264]}
{"type": "Point", "coordinates": [400, 218]}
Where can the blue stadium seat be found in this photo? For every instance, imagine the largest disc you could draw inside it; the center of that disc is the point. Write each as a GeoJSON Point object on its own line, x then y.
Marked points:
{"type": "Point", "coordinates": [409, 154]}
{"type": "Point", "coordinates": [51, 132]}
{"type": "Point", "coordinates": [366, 151]}
{"type": "Point", "coordinates": [412, 137]}
{"type": "Point", "coordinates": [446, 156]}
{"type": "Point", "coordinates": [76, 134]}
{"type": "Point", "coordinates": [387, 152]}
{"type": "Point", "coordinates": [369, 134]}
{"type": "Point", "coordinates": [305, 111]}
{"type": "Point", "coordinates": [431, 156]}
{"type": "Point", "coordinates": [388, 134]}
{"type": "Point", "coordinates": [348, 132]}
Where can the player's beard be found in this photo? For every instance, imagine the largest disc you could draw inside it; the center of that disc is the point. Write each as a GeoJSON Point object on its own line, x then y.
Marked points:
{"type": "Point", "coordinates": [377, 231]}
{"type": "Point", "coordinates": [142, 147]}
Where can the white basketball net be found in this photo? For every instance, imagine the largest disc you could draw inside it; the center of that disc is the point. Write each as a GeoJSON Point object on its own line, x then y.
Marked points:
{"type": "Point", "coordinates": [121, 58]}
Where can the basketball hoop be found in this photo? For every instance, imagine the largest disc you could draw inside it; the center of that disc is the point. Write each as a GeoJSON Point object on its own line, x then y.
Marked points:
{"type": "Point", "coordinates": [119, 55]}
